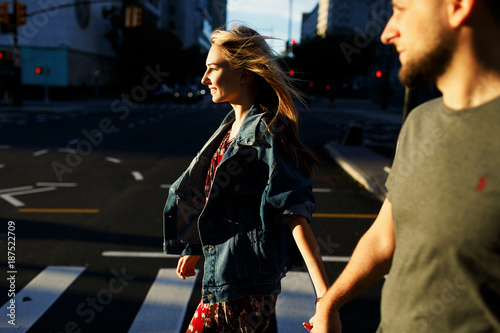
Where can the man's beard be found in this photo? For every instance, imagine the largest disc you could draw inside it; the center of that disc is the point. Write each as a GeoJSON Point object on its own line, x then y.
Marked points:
{"type": "Point", "coordinates": [425, 71]}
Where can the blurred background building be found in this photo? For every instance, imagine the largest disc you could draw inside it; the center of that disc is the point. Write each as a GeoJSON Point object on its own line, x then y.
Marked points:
{"type": "Point", "coordinates": [72, 45]}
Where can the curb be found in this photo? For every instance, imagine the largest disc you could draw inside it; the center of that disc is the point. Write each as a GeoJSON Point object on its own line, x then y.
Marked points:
{"type": "Point", "coordinates": [364, 165]}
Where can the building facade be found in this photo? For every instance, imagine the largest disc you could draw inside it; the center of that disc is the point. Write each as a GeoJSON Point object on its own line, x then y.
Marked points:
{"type": "Point", "coordinates": [63, 42]}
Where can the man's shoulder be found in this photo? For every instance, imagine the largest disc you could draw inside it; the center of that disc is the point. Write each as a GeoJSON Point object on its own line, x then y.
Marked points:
{"type": "Point", "coordinates": [430, 106]}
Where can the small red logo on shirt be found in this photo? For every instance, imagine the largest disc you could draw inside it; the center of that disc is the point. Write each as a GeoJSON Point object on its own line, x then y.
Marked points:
{"type": "Point", "coordinates": [481, 185]}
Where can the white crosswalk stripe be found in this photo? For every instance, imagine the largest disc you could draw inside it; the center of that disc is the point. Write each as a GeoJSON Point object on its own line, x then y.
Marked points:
{"type": "Point", "coordinates": [165, 304]}
{"type": "Point", "coordinates": [164, 307]}
{"type": "Point", "coordinates": [37, 297]}
{"type": "Point", "coordinates": [295, 303]}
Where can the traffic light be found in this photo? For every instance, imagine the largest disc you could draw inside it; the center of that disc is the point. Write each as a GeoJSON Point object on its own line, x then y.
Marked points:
{"type": "Point", "coordinates": [291, 72]}
{"type": "Point", "coordinates": [5, 55]}
{"type": "Point", "coordinates": [20, 13]}
{"type": "Point", "coordinates": [380, 74]}
{"type": "Point", "coordinates": [4, 13]}
{"type": "Point", "coordinates": [138, 17]}
{"type": "Point", "coordinates": [39, 70]}
{"type": "Point", "coordinates": [133, 16]}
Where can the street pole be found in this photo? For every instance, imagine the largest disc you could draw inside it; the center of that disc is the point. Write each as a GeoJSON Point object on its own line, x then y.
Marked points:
{"type": "Point", "coordinates": [16, 96]}
{"type": "Point", "coordinates": [411, 101]}
{"type": "Point", "coordinates": [290, 14]}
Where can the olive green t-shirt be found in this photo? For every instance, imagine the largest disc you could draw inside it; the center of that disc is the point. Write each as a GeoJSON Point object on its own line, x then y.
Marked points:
{"type": "Point", "coordinates": [444, 187]}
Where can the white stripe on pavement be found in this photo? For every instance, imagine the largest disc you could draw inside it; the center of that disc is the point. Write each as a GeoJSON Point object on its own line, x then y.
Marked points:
{"type": "Point", "coordinates": [38, 295]}
{"type": "Point", "coordinates": [41, 152]}
{"type": "Point", "coordinates": [295, 303]}
{"type": "Point", "coordinates": [16, 203]}
{"type": "Point", "coordinates": [137, 175]}
{"type": "Point", "coordinates": [56, 184]}
{"type": "Point", "coordinates": [165, 305]}
{"type": "Point", "coordinates": [133, 254]}
{"type": "Point", "coordinates": [113, 160]}
{"type": "Point", "coordinates": [138, 254]}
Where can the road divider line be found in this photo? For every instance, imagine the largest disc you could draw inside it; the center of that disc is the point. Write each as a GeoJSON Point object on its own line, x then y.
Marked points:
{"type": "Point", "coordinates": [165, 304]}
{"type": "Point", "coordinates": [345, 216]}
{"type": "Point", "coordinates": [38, 296]}
{"type": "Point", "coordinates": [60, 210]}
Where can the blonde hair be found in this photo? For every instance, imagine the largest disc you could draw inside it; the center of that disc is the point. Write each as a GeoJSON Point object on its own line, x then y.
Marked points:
{"type": "Point", "coordinates": [244, 48]}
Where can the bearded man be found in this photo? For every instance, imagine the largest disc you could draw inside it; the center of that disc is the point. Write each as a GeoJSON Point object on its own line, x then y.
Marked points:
{"type": "Point", "coordinates": [437, 235]}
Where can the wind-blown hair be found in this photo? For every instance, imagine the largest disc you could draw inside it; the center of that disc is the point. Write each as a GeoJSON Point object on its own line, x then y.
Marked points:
{"type": "Point", "coordinates": [244, 48]}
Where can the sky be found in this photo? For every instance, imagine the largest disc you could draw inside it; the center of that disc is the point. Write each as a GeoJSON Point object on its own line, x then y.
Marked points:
{"type": "Point", "coordinates": [270, 17]}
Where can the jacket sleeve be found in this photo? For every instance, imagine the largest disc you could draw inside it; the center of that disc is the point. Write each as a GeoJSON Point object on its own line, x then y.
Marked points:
{"type": "Point", "coordinates": [290, 193]}
{"type": "Point", "coordinates": [171, 243]}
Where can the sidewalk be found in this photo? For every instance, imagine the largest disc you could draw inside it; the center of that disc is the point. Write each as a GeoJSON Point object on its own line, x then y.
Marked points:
{"type": "Point", "coordinates": [363, 164]}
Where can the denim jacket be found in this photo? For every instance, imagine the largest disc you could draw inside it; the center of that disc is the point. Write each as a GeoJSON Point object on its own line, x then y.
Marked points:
{"type": "Point", "coordinates": [241, 228]}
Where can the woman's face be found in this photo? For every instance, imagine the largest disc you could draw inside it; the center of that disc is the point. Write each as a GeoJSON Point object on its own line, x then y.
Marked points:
{"type": "Point", "coordinates": [225, 84]}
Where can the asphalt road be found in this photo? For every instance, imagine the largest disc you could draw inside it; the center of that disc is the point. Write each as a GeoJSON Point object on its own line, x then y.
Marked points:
{"type": "Point", "coordinates": [79, 184]}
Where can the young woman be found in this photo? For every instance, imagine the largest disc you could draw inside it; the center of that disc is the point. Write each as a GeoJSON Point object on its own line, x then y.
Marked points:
{"type": "Point", "coordinates": [246, 200]}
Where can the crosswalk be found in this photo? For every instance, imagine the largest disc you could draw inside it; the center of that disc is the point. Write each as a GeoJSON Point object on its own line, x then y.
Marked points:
{"type": "Point", "coordinates": [164, 307]}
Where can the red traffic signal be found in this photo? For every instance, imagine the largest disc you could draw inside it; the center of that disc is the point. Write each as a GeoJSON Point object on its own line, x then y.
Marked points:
{"type": "Point", "coordinates": [292, 72]}
{"type": "Point", "coordinates": [39, 70]}
{"type": "Point", "coordinates": [294, 42]}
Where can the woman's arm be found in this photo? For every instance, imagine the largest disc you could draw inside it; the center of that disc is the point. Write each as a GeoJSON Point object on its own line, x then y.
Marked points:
{"type": "Point", "coordinates": [308, 247]}
{"type": "Point", "coordinates": [370, 261]}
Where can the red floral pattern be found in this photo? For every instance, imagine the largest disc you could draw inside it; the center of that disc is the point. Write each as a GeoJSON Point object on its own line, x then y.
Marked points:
{"type": "Point", "coordinates": [218, 155]}
{"type": "Point", "coordinates": [250, 314]}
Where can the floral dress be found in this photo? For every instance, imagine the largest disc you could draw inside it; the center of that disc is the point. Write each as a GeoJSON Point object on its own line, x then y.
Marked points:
{"type": "Point", "coordinates": [249, 314]}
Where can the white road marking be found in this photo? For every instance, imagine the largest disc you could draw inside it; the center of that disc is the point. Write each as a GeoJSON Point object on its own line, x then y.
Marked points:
{"type": "Point", "coordinates": [41, 152]}
{"type": "Point", "coordinates": [134, 254]}
{"type": "Point", "coordinates": [295, 303]}
{"type": "Point", "coordinates": [9, 197]}
{"type": "Point", "coordinates": [165, 305]}
{"type": "Point", "coordinates": [137, 175]}
{"type": "Point", "coordinates": [14, 189]}
{"type": "Point", "coordinates": [322, 190]}
{"type": "Point", "coordinates": [139, 254]}
{"type": "Point", "coordinates": [39, 295]}
{"type": "Point", "coordinates": [56, 184]}
{"type": "Point", "coordinates": [113, 160]}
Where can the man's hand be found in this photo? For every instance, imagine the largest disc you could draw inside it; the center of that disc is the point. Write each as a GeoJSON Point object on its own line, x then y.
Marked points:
{"type": "Point", "coordinates": [323, 322]}
{"type": "Point", "coordinates": [185, 266]}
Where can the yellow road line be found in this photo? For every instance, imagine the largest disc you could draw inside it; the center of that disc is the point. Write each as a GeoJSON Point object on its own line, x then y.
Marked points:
{"type": "Point", "coordinates": [346, 216]}
{"type": "Point", "coordinates": [59, 210]}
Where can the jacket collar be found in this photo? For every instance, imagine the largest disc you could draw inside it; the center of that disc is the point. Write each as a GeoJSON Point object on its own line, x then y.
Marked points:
{"type": "Point", "coordinates": [248, 129]}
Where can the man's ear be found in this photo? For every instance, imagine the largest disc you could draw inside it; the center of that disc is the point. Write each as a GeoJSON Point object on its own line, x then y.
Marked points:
{"type": "Point", "coordinates": [459, 11]}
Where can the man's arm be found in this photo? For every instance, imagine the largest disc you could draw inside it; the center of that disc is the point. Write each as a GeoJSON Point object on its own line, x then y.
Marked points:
{"type": "Point", "coordinates": [370, 261]}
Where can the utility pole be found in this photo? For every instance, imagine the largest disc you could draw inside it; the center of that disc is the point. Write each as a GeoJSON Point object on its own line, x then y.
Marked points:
{"type": "Point", "coordinates": [17, 97]}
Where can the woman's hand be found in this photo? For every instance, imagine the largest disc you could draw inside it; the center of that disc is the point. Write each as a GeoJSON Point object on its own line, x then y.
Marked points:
{"type": "Point", "coordinates": [322, 322]}
{"type": "Point", "coordinates": [185, 266]}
